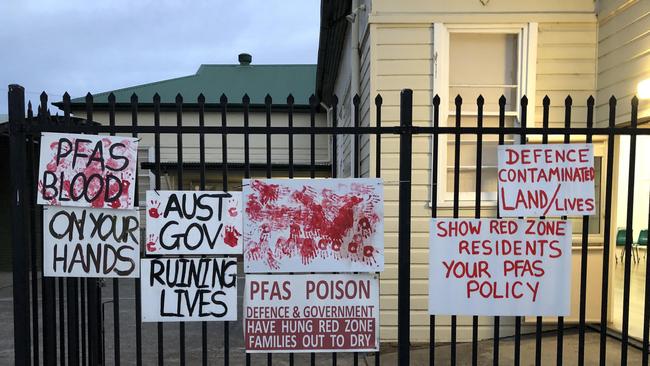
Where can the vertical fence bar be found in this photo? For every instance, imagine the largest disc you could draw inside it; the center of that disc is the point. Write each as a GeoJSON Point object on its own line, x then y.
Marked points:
{"type": "Point", "coordinates": [72, 283]}
{"type": "Point", "coordinates": [83, 323]}
{"type": "Point", "coordinates": [116, 282]}
{"type": "Point", "coordinates": [92, 290]}
{"type": "Point", "coordinates": [477, 203]}
{"type": "Point", "coordinates": [138, 296]}
{"type": "Point", "coordinates": [313, 104]}
{"type": "Point", "coordinates": [584, 253]}
{"type": "Point", "coordinates": [290, 102]}
{"type": "Point", "coordinates": [434, 213]}
{"type": "Point", "coordinates": [224, 181]}
{"type": "Point", "coordinates": [560, 319]}
{"type": "Point", "coordinates": [156, 151]}
{"type": "Point", "coordinates": [607, 232]}
{"type": "Point", "coordinates": [458, 102]}
{"type": "Point", "coordinates": [61, 295]}
{"type": "Point", "coordinates": [267, 109]}
{"type": "Point", "coordinates": [404, 224]}
{"type": "Point", "coordinates": [378, 102]}
{"type": "Point", "coordinates": [179, 186]}
{"type": "Point", "coordinates": [247, 170]}
{"type": "Point", "coordinates": [335, 102]}
{"type": "Point", "coordinates": [201, 103]}
{"type": "Point", "coordinates": [16, 102]}
{"type": "Point", "coordinates": [357, 137]}
{"type": "Point", "coordinates": [497, 319]}
{"type": "Point", "coordinates": [628, 234]}
{"type": "Point", "coordinates": [48, 290]}
{"type": "Point", "coordinates": [32, 233]}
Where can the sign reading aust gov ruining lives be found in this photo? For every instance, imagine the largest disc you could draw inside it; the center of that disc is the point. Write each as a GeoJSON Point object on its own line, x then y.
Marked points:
{"type": "Point", "coordinates": [313, 225]}
{"type": "Point", "coordinates": [90, 242]}
{"type": "Point", "coordinates": [193, 222]}
{"type": "Point", "coordinates": [189, 289]}
{"type": "Point", "coordinates": [87, 171]}
{"type": "Point", "coordinates": [500, 267]}
{"type": "Point", "coordinates": [311, 313]}
{"type": "Point", "coordinates": [546, 180]}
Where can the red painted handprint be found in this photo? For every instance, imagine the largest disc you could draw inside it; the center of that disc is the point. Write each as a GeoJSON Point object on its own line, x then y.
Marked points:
{"type": "Point", "coordinates": [153, 211]}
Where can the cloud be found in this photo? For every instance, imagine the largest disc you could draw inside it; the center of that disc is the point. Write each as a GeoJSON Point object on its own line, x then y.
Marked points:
{"type": "Point", "coordinates": [80, 46]}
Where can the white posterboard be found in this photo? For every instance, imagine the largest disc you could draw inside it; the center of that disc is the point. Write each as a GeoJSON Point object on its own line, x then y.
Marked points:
{"type": "Point", "coordinates": [311, 313]}
{"type": "Point", "coordinates": [500, 267]}
{"type": "Point", "coordinates": [313, 225]}
{"type": "Point", "coordinates": [87, 170]}
{"type": "Point", "coordinates": [193, 222]}
{"type": "Point", "coordinates": [546, 180]}
{"type": "Point", "coordinates": [189, 289]}
{"type": "Point", "coordinates": [90, 242]}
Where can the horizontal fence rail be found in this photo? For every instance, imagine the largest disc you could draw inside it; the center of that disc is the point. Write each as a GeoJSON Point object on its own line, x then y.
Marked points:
{"type": "Point", "coordinates": [81, 322]}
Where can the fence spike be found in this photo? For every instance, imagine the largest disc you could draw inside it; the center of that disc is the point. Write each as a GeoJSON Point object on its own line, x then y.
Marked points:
{"type": "Point", "coordinates": [268, 99]}
{"type": "Point", "coordinates": [201, 98]}
{"type": "Point", "coordinates": [179, 98]}
{"type": "Point", "coordinates": [612, 100]}
{"type": "Point", "coordinates": [245, 99]}
{"type": "Point", "coordinates": [480, 100]}
{"type": "Point", "coordinates": [356, 99]}
{"type": "Point", "coordinates": [635, 101]}
{"type": "Point", "coordinates": [156, 98]}
{"type": "Point", "coordinates": [458, 100]}
{"type": "Point", "coordinates": [313, 101]}
{"type": "Point", "coordinates": [436, 100]}
{"type": "Point", "coordinates": [502, 100]}
{"type": "Point", "coordinates": [546, 101]}
{"type": "Point", "coordinates": [134, 98]}
{"type": "Point", "coordinates": [524, 101]}
{"type": "Point", "coordinates": [290, 99]}
{"type": "Point", "coordinates": [568, 101]}
{"type": "Point", "coordinates": [590, 101]}
{"type": "Point", "coordinates": [379, 100]}
{"type": "Point", "coordinates": [89, 97]}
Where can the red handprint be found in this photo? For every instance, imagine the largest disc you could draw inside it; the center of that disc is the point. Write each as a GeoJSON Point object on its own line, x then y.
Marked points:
{"type": "Point", "coordinates": [151, 243]}
{"type": "Point", "coordinates": [231, 236]}
{"type": "Point", "coordinates": [153, 211]}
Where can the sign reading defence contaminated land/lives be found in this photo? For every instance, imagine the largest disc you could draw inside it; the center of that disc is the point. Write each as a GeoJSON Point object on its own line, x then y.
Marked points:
{"type": "Point", "coordinates": [87, 171]}
{"type": "Point", "coordinates": [189, 289]}
{"type": "Point", "coordinates": [313, 225]}
{"type": "Point", "coordinates": [546, 180]}
{"type": "Point", "coordinates": [500, 267]}
{"type": "Point", "coordinates": [90, 242]}
{"type": "Point", "coordinates": [193, 222]}
{"type": "Point", "coordinates": [311, 313]}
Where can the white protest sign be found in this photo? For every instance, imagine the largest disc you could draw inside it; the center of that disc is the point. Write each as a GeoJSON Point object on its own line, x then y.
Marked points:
{"type": "Point", "coordinates": [311, 313]}
{"type": "Point", "coordinates": [500, 267]}
{"type": "Point", "coordinates": [90, 242]}
{"type": "Point", "coordinates": [87, 170]}
{"type": "Point", "coordinates": [189, 289]}
{"type": "Point", "coordinates": [193, 222]}
{"type": "Point", "coordinates": [313, 225]}
{"type": "Point", "coordinates": [546, 180]}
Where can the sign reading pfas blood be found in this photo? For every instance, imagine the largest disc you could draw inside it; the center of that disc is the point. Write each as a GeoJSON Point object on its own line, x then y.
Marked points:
{"type": "Point", "coordinates": [189, 289]}
{"type": "Point", "coordinates": [500, 267]}
{"type": "Point", "coordinates": [546, 180]}
{"type": "Point", "coordinates": [193, 222]}
{"type": "Point", "coordinates": [90, 242]}
{"type": "Point", "coordinates": [87, 171]}
{"type": "Point", "coordinates": [311, 313]}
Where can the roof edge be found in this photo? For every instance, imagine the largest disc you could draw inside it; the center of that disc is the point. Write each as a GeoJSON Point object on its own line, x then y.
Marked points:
{"type": "Point", "coordinates": [333, 27]}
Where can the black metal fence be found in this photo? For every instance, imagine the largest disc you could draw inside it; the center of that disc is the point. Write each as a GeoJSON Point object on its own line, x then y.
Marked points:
{"type": "Point", "coordinates": [65, 321]}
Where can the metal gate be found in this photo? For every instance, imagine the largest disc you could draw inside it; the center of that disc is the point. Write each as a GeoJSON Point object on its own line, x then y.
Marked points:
{"type": "Point", "coordinates": [63, 321]}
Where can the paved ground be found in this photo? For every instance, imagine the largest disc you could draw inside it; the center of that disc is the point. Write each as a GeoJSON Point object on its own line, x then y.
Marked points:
{"type": "Point", "coordinates": [419, 354]}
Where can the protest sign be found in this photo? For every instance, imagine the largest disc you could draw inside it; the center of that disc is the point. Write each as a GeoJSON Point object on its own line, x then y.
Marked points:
{"type": "Point", "coordinates": [500, 267]}
{"type": "Point", "coordinates": [315, 225]}
{"type": "Point", "coordinates": [87, 171]}
{"type": "Point", "coordinates": [546, 180]}
{"type": "Point", "coordinates": [189, 289]}
{"type": "Point", "coordinates": [193, 222]}
{"type": "Point", "coordinates": [90, 242]}
{"type": "Point", "coordinates": [311, 313]}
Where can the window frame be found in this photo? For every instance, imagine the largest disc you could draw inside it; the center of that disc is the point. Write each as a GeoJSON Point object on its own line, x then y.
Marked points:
{"type": "Point", "coordinates": [527, 64]}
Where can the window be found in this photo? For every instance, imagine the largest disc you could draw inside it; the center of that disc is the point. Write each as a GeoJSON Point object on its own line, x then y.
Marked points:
{"type": "Point", "coordinates": [473, 60]}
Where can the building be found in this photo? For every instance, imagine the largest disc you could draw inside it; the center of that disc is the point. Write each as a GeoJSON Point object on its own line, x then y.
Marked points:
{"type": "Point", "coordinates": [515, 48]}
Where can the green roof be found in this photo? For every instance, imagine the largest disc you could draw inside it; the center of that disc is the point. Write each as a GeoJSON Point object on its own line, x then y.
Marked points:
{"type": "Point", "coordinates": [232, 80]}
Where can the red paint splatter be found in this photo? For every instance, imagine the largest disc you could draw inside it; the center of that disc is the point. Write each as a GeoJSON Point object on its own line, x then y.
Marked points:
{"type": "Point", "coordinates": [153, 211]}
{"type": "Point", "coordinates": [231, 236]}
{"type": "Point", "coordinates": [232, 212]}
{"type": "Point", "coordinates": [151, 244]}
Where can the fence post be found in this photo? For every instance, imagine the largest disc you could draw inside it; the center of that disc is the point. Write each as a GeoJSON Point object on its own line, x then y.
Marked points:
{"type": "Point", "coordinates": [404, 235]}
{"type": "Point", "coordinates": [18, 238]}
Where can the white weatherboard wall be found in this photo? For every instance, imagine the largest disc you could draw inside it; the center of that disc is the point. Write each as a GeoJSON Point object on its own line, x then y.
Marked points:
{"type": "Point", "coordinates": [401, 56]}
{"type": "Point", "coordinates": [623, 55]}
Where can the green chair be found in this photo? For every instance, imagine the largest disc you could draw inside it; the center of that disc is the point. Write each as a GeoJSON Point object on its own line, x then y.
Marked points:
{"type": "Point", "coordinates": [620, 242]}
{"type": "Point", "coordinates": [642, 242]}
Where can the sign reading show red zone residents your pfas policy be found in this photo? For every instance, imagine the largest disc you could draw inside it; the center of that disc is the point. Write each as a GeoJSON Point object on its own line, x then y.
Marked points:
{"type": "Point", "coordinates": [500, 267]}
{"type": "Point", "coordinates": [546, 180]}
{"type": "Point", "coordinates": [311, 313]}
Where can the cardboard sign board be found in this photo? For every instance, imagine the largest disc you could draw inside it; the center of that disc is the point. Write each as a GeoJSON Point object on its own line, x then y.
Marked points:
{"type": "Point", "coordinates": [87, 171]}
{"type": "Point", "coordinates": [311, 313]}
{"type": "Point", "coordinates": [193, 222]}
{"type": "Point", "coordinates": [189, 289]}
{"type": "Point", "coordinates": [546, 180]}
{"type": "Point", "coordinates": [90, 242]}
{"type": "Point", "coordinates": [313, 225]}
{"type": "Point", "coordinates": [500, 267]}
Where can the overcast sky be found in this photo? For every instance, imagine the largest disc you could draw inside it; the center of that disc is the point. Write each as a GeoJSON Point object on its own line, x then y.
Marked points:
{"type": "Point", "coordinates": [80, 46]}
